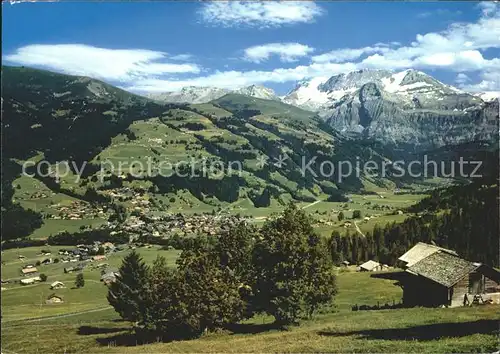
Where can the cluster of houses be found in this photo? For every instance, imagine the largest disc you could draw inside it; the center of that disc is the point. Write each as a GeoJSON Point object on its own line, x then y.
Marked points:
{"type": "Point", "coordinates": [123, 194]}
{"type": "Point", "coordinates": [83, 252]}
{"type": "Point", "coordinates": [38, 195]}
{"type": "Point", "coordinates": [77, 210]}
{"type": "Point", "coordinates": [171, 224]}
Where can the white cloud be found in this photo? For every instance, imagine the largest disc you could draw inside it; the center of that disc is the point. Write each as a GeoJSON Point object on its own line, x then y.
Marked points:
{"type": "Point", "coordinates": [122, 65]}
{"type": "Point", "coordinates": [259, 14]}
{"type": "Point", "coordinates": [490, 81]}
{"type": "Point", "coordinates": [346, 54]}
{"type": "Point", "coordinates": [182, 57]}
{"type": "Point", "coordinates": [439, 12]}
{"type": "Point", "coordinates": [458, 48]}
{"type": "Point", "coordinates": [488, 7]}
{"type": "Point", "coordinates": [287, 52]}
{"type": "Point", "coordinates": [462, 78]}
{"type": "Point", "coordinates": [234, 79]}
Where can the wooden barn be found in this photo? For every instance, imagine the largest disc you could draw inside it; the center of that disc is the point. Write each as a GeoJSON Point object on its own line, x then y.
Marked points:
{"type": "Point", "coordinates": [444, 279]}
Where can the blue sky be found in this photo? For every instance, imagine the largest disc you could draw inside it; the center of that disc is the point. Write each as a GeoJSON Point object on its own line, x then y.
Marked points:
{"type": "Point", "coordinates": [162, 46]}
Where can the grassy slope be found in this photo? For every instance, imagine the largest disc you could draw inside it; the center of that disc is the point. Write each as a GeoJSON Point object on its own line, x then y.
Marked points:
{"type": "Point", "coordinates": [401, 330]}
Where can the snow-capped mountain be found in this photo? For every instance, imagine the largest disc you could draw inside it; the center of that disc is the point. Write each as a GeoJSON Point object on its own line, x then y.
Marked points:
{"type": "Point", "coordinates": [408, 107]}
{"type": "Point", "coordinates": [258, 92]}
{"type": "Point", "coordinates": [190, 94]}
{"type": "Point", "coordinates": [193, 94]}
{"type": "Point", "coordinates": [319, 94]}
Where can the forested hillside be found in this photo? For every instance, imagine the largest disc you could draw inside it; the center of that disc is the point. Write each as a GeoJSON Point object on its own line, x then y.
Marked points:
{"type": "Point", "coordinates": [462, 218]}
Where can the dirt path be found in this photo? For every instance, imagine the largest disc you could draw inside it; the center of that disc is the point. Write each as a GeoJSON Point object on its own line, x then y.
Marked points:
{"type": "Point", "coordinates": [310, 205]}
{"type": "Point", "coordinates": [24, 320]}
{"type": "Point", "coordinates": [358, 229]}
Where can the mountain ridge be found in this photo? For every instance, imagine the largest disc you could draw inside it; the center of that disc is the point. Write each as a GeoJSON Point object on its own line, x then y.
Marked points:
{"type": "Point", "coordinates": [205, 94]}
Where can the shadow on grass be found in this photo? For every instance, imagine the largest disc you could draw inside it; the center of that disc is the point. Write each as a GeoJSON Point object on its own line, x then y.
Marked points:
{"type": "Point", "coordinates": [396, 276]}
{"type": "Point", "coordinates": [252, 328]}
{"type": "Point", "coordinates": [128, 339]}
{"type": "Point", "coordinates": [425, 332]}
{"type": "Point", "coordinates": [131, 339]}
{"type": "Point", "coordinates": [89, 330]}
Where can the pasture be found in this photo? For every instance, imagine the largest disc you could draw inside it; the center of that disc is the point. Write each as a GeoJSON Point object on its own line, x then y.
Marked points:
{"type": "Point", "coordinates": [23, 302]}
{"type": "Point", "coordinates": [473, 329]}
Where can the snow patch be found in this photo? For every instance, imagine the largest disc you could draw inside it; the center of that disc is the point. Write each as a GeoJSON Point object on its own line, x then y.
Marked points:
{"type": "Point", "coordinates": [489, 96]}
{"type": "Point", "coordinates": [393, 83]}
{"type": "Point", "coordinates": [308, 93]}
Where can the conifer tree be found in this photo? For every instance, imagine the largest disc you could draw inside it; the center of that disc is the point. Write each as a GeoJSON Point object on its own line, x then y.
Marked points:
{"type": "Point", "coordinates": [128, 293]}
{"type": "Point", "coordinates": [79, 281]}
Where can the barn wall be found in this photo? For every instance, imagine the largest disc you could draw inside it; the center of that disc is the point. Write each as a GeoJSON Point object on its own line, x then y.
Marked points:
{"type": "Point", "coordinates": [419, 291]}
{"type": "Point", "coordinates": [459, 290]}
{"type": "Point", "coordinates": [490, 286]}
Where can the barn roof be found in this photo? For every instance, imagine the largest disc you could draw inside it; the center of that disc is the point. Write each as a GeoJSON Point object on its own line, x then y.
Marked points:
{"type": "Point", "coordinates": [420, 251]}
{"type": "Point", "coordinates": [29, 270]}
{"type": "Point", "coordinates": [370, 265]}
{"type": "Point", "coordinates": [443, 268]}
{"type": "Point", "coordinates": [57, 282]}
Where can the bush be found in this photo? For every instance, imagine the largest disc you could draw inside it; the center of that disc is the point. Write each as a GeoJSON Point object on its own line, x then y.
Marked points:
{"type": "Point", "coordinates": [293, 274]}
{"type": "Point", "coordinates": [356, 214]}
{"type": "Point", "coordinates": [79, 281]}
{"type": "Point", "coordinates": [43, 277]}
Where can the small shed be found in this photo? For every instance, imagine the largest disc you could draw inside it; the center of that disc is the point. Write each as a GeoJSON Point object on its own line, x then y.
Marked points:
{"type": "Point", "coordinates": [109, 277]}
{"type": "Point", "coordinates": [30, 270]}
{"type": "Point", "coordinates": [57, 285]}
{"type": "Point", "coordinates": [345, 263]}
{"type": "Point", "coordinates": [30, 281]}
{"type": "Point", "coordinates": [70, 269]}
{"type": "Point", "coordinates": [54, 299]}
{"type": "Point", "coordinates": [108, 245]}
{"type": "Point", "coordinates": [99, 258]}
{"type": "Point", "coordinates": [445, 279]}
{"type": "Point", "coordinates": [370, 266]}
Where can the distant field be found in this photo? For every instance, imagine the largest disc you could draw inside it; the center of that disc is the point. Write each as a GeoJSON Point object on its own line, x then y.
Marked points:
{"type": "Point", "coordinates": [184, 202]}
{"type": "Point", "coordinates": [402, 330]}
{"type": "Point", "coordinates": [22, 302]}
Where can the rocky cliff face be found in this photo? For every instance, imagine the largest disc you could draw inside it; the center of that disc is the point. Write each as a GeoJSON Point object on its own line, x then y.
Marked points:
{"type": "Point", "coordinates": [409, 107]}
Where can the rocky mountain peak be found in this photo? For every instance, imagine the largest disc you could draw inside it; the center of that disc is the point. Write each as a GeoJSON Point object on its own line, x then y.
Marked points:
{"type": "Point", "coordinates": [353, 80]}
{"type": "Point", "coordinates": [258, 92]}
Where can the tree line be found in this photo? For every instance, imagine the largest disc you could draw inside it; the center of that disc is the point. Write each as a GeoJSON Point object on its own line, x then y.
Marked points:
{"type": "Point", "coordinates": [282, 270]}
